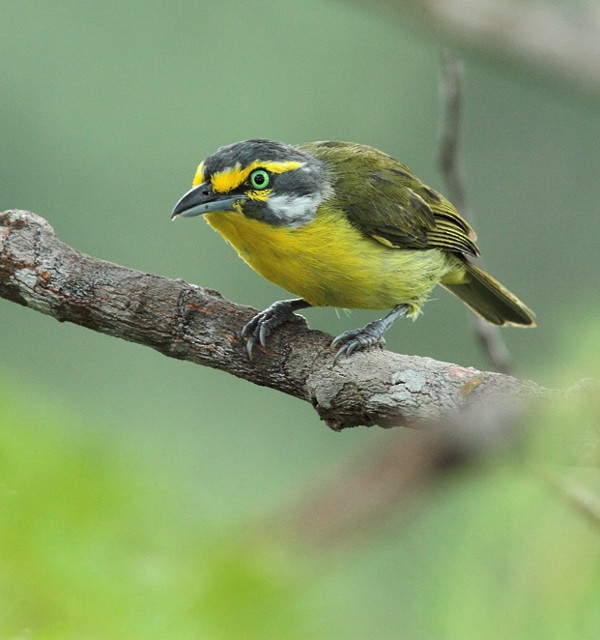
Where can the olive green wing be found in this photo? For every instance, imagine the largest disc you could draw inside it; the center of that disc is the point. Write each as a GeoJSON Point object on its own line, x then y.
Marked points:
{"type": "Point", "coordinates": [383, 199]}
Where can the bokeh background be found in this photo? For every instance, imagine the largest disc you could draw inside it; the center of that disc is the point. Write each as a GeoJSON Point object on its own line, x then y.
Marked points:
{"type": "Point", "coordinates": [132, 487]}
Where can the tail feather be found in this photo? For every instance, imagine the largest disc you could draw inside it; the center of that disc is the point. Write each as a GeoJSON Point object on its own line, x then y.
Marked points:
{"type": "Point", "coordinates": [489, 299]}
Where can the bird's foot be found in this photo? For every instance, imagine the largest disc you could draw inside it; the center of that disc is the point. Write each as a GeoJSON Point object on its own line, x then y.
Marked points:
{"type": "Point", "coordinates": [263, 323]}
{"type": "Point", "coordinates": [359, 339]}
{"type": "Point", "coordinates": [369, 336]}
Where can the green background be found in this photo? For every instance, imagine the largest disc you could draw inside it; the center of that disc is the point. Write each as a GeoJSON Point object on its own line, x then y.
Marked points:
{"type": "Point", "coordinates": [106, 110]}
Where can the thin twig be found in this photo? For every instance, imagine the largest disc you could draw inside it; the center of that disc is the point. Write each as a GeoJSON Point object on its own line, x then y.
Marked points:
{"type": "Point", "coordinates": [488, 335]}
{"type": "Point", "coordinates": [580, 498]}
{"type": "Point", "coordinates": [449, 156]}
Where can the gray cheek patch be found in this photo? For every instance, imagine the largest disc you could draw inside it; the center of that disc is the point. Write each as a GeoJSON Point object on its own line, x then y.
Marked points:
{"type": "Point", "coordinates": [297, 196]}
{"type": "Point", "coordinates": [294, 210]}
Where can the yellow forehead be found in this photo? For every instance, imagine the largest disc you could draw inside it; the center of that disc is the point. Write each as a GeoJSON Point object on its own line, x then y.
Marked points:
{"type": "Point", "coordinates": [233, 177]}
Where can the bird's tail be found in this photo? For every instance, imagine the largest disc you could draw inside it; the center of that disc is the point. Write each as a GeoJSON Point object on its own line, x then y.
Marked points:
{"type": "Point", "coordinates": [489, 299]}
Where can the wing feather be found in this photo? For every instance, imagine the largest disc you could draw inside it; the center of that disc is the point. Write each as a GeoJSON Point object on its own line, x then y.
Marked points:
{"type": "Point", "coordinates": [385, 201]}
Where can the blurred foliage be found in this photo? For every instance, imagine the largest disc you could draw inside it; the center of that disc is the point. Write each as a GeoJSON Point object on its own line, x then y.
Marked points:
{"type": "Point", "coordinates": [94, 544]}
{"type": "Point", "coordinates": [132, 488]}
{"type": "Point", "coordinates": [92, 547]}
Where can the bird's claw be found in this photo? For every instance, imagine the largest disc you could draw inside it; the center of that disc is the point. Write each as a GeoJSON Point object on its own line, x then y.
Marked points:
{"type": "Point", "coordinates": [257, 330]}
{"type": "Point", "coordinates": [249, 346]}
{"type": "Point", "coordinates": [368, 336]}
{"type": "Point", "coordinates": [263, 323]}
{"type": "Point", "coordinates": [356, 340]}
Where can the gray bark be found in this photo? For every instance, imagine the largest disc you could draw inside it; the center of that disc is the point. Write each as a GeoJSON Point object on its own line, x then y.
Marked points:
{"type": "Point", "coordinates": [188, 322]}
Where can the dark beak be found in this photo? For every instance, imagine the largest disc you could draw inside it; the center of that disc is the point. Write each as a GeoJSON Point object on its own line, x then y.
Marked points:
{"type": "Point", "coordinates": [202, 199]}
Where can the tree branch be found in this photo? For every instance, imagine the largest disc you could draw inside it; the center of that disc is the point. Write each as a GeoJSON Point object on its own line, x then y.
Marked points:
{"type": "Point", "coordinates": [187, 322]}
{"type": "Point", "coordinates": [563, 41]}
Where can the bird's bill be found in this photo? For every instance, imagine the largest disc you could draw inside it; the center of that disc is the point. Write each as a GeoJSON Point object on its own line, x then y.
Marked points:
{"type": "Point", "coordinates": [202, 199]}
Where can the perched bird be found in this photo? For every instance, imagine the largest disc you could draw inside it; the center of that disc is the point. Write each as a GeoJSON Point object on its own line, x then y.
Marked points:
{"type": "Point", "coordinates": [342, 225]}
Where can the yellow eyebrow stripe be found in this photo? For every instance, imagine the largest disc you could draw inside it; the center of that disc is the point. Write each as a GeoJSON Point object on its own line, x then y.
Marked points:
{"type": "Point", "coordinates": [224, 181]}
{"type": "Point", "coordinates": [199, 176]}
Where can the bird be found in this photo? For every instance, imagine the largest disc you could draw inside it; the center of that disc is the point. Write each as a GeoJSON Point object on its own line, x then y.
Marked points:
{"type": "Point", "coordinates": [342, 224]}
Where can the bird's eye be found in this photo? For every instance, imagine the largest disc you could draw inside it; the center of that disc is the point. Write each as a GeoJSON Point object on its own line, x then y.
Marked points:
{"type": "Point", "coordinates": [259, 179]}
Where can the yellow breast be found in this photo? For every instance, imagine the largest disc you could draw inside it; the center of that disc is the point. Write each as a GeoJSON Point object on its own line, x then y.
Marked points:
{"type": "Point", "coordinates": [330, 263]}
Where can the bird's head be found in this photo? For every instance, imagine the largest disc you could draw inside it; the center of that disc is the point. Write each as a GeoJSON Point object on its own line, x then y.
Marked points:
{"type": "Point", "coordinates": [270, 181]}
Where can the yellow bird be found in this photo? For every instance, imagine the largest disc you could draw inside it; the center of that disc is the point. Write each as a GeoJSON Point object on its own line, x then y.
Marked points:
{"type": "Point", "coordinates": [342, 225]}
